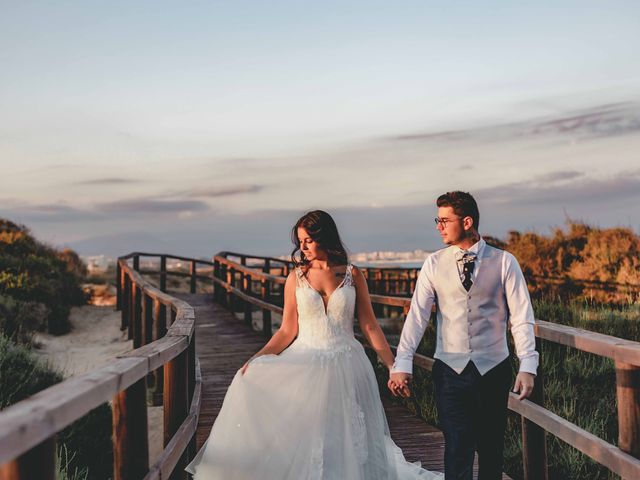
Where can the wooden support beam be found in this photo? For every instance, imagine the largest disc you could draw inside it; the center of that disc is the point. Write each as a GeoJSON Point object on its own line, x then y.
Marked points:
{"type": "Point", "coordinates": [628, 393]}
{"type": "Point", "coordinates": [176, 405]}
{"type": "Point", "coordinates": [130, 444]}
{"type": "Point", "coordinates": [163, 273]}
{"type": "Point", "coordinates": [192, 271]}
{"type": "Point", "coordinates": [534, 437]}
{"type": "Point", "coordinates": [37, 463]}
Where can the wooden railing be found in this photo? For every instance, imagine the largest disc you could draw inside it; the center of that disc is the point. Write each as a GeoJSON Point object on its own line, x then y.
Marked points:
{"type": "Point", "coordinates": [401, 281]}
{"type": "Point", "coordinates": [235, 286]}
{"type": "Point", "coordinates": [164, 356]}
{"type": "Point", "coordinates": [163, 331]}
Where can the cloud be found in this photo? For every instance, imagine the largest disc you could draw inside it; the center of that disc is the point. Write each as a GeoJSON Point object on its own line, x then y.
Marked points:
{"type": "Point", "coordinates": [559, 176]}
{"type": "Point", "coordinates": [152, 205]}
{"type": "Point", "coordinates": [607, 120]}
{"type": "Point", "coordinates": [48, 213]}
{"type": "Point", "coordinates": [213, 192]}
{"type": "Point", "coordinates": [545, 189]}
{"type": "Point", "coordinates": [106, 181]}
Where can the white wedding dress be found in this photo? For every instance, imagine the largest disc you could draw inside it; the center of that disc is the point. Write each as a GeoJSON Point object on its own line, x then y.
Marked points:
{"type": "Point", "coordinates": [312, 412]}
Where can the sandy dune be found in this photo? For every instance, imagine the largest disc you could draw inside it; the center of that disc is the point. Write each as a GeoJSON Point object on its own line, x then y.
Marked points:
{"type": "Point", "coordinates": [94, 340]}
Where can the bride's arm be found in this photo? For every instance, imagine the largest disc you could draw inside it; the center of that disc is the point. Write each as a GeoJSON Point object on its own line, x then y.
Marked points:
{"type": "Point", "coordinates": [289, 327]}
{"type": "Point", "coordinates": [367, 320]}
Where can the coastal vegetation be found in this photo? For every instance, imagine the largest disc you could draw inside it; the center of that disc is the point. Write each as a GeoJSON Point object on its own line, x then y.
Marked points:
{"type": "Point", "coordinates": [598, 264]}
{"type": "Point", "coordinates": [38, 287]}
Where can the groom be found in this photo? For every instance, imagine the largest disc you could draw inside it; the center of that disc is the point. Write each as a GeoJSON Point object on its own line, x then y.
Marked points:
{"type": "Point", "coordinates": [479, 292]}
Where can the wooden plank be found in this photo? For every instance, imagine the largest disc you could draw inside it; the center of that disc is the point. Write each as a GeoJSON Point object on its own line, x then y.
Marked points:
{"type": "Point", "coordinates": [592, 342]}
{"type": "Point", "coordinates": [255, 274]}
{"type": "Point", "coordinates": [159, 352]}
{"type": "Point", "coordinates": [602, 452]}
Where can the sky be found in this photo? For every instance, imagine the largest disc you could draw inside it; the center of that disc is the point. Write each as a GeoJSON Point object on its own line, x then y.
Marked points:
{"type": "Point", "coordinates": [194, 127]}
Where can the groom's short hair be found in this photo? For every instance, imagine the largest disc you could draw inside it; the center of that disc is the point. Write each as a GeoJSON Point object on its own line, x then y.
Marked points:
{"type": "Point", "coordinates": [463, 204]}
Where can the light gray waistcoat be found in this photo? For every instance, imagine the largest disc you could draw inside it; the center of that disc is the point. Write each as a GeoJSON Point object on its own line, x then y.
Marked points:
{"type": "Point", "coordinates": [471, 325]}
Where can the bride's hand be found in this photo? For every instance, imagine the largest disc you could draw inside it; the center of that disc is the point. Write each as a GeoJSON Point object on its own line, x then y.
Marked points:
{"type": "Point", "coordinates": [244, 368]}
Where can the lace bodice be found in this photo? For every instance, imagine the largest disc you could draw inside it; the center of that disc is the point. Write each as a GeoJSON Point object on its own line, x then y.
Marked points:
{"type": "Point", "coordinates": [321, 327]}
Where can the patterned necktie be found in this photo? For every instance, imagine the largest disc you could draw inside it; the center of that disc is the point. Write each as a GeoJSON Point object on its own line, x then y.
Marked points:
{"type": "Point", "coordinates": [468, 264]}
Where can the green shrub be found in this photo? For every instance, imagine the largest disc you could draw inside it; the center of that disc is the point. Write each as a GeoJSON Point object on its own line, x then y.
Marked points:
{"type": "Point", "coordinates": [89, 438]}
{"type": "Point", "coordinates": [21, 373]}
{"type": "Point", "coordinates": [33, 273]}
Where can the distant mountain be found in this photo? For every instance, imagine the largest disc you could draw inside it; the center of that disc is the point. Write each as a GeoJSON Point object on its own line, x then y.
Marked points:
{"type": "Point", "coordinates": [122, 243]}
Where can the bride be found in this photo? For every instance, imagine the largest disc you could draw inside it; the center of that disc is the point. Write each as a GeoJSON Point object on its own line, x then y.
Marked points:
{"type": "Point", "coordinates": [307, 406]}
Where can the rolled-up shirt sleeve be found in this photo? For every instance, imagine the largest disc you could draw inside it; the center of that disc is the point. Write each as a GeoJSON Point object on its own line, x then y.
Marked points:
{"type": "Point", "coordinates": [417, 319]}
{"type": "Point", "coordinates": [521, 315]}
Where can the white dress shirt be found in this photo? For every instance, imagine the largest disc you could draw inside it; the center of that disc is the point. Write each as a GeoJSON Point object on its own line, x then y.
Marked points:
{"type": "Point", "coordinates": [471, 326]}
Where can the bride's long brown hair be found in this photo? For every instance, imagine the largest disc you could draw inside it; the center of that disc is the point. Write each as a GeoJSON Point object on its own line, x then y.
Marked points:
{"type": "Point", "coordinates": [323, 230]}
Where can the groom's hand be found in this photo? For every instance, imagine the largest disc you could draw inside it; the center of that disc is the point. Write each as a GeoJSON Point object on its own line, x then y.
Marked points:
{"type": "Point", "coordinates": [524, 384]}
{"type": "Point", "coordinates": [399, 384]}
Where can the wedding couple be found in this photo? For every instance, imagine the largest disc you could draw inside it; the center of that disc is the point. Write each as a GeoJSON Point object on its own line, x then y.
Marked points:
{"type": "Point", "coordinates": [307, 405]}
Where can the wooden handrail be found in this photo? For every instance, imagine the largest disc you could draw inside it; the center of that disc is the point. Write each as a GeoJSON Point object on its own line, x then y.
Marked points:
{"type": "Point", "coordinates": [254, 257]}
{"type": "Point", "coordinates": [623, 460]}
{"type": "Point", "coordinates": [33, 422]}
{"type": "Point", "coordinates": [27, 428]}
{"type": "Point", "coordinates": [406, 276]}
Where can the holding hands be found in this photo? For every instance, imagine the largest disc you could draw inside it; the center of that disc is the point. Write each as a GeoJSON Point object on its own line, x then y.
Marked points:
{"type": "Point", "coordinates": [399, 384]}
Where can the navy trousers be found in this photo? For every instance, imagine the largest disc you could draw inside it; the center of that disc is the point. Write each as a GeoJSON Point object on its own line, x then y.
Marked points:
{"type": "Point", "coordinates": [472, 410]}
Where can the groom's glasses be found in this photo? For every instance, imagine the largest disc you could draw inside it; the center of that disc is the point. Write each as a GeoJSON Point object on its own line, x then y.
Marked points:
{"type": "Point", "coordinates": [443, 221]}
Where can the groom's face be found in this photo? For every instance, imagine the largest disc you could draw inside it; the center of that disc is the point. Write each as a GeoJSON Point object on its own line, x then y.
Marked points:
{"type": "Point", "coordinates": [451, 227]}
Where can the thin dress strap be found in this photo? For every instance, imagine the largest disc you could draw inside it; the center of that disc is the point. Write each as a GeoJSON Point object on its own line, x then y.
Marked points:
{"type": "Point", "coordinates": [301, 279]}
{"type": "Point", "coordinates": [348, 276]}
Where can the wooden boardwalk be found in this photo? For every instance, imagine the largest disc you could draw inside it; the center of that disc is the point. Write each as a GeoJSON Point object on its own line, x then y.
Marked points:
{"type": "Point", "coordinates": [224, 343]}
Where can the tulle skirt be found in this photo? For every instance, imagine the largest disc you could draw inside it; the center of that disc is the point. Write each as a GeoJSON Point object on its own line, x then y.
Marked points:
{"type": "Point", "coordinates": [306, 414]}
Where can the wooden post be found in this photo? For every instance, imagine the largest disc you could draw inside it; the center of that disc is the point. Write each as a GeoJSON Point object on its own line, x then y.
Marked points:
{"type": "Point", "coordinates": [534, 440]}
{"type": "Point", "coordinates": [267, 266]}
{"type": "Point", "coordinates": [159, 331]}
{"type": "Point", "coordinates": [230, 282]}
{"type": "Point", "coordinates": [37, 463]}
{"type": "Point", "coordinates": [147, 319]}
{"type": "Point", "coordinates": [265, 294]}
{"type": "Point", "coordinates": [136, 318]}
{"type": "Point", "coordinates": [224, 294]}
{"type": "Point", "coordinates": [176, 405]}
{"type": "Point", "coordinates": [628, 393]}
{"type": "Point", "coordinates": [246, 288]}
{"type": "Point", "coordinates": [118, 287]}
{"type": "Point", "coordinates": [192, 270]}
{"type": "Point", "coordinates": [125, 302]}
{"type": "Point", "coordinates": [163, 273]}
{"type": "Point", "coordinates": [192, 450]}
{"type": "Point", "coordinates": [130, 307]}
{"type": "Point", "coordinates": [130, 444]}
{"type": "Point", "coordinates": [216, 286]}
{"type": "Point", "coordinates": [136, 263]}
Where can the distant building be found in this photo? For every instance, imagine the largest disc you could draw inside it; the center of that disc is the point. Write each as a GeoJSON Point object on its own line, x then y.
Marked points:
{"type": "Point", "coordinates": [97, 263]}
